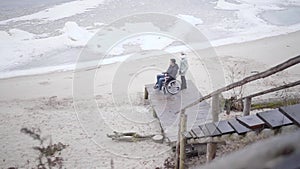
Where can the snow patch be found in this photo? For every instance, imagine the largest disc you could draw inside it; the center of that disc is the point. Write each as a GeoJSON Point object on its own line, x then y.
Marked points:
{"type": "Point", "coordinates": [190, 19]}
{"type": "Point", "coordinates": [18, 47]}
{"type": "Point", "coordinates": [141, 42]}
{"type": "Point", "coordinates": [76, 33]}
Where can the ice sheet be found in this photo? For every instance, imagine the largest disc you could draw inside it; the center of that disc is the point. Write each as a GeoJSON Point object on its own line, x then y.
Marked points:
{"type": "Point", "coordinates": [18, 47]}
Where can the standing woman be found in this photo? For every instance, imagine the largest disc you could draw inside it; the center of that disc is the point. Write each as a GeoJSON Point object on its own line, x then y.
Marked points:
{"type": "Point", "coordinates": [183, 69]}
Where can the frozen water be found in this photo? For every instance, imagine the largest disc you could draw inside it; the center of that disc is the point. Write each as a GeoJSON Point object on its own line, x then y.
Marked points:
{"type": "Point", "coordinates": [52, 34]}
{"type": "Point", "coordinates": [287, 16]}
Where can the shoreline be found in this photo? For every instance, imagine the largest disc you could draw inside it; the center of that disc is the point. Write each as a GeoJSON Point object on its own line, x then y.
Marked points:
{"type": "Point", "coordinates": [46, 102]}
{"type": "Point", "coordinates": [256, 55]}
{"type": "Point", "coordinates": [113, 60]}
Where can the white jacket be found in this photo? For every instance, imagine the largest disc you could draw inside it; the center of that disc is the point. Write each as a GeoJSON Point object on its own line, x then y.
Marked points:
{"type": "Point", "coordinates": [183, 67]}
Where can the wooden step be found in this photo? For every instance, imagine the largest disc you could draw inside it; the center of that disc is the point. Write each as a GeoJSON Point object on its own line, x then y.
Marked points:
{"type": "Point", "coordinates": [187, 135]}
{"type": "Point", "coordinates": [224, 127]}
{"type": "Point", "coordinates": [292, 112]}
{"type": "Point", "coordinates": [210, 130]}
{"type": "Point", "coordinates": [274, 118]}
{"type": "Point", "coordinates": [194, 136]}
{"type": "Point", "coordinates": [252, 121]}
{"type": "Point", "coordinates": [238, 127]}
{"type": "Point", "coordinates": [198, 132]}
{"type": "Point", "coordinates": [204, 130]}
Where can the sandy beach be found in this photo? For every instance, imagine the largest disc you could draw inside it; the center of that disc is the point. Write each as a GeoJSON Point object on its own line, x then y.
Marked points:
{"type": "Point", "coordinates": [46, 101]}
{"type": "Point", "coordinates": [250, 56]}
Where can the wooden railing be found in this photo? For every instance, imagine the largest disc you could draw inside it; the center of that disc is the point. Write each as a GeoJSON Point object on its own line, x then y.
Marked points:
{"type": "Point", "coordinates": [289, 63]}
{"type": "Point", "coordinates": [211, 147]}
{"type": "Point", "coordinates": [247, 99]}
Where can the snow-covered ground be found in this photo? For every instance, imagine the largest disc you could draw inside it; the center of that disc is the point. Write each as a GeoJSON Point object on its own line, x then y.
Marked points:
{"type": "Point", "coordinates": [52, 39]}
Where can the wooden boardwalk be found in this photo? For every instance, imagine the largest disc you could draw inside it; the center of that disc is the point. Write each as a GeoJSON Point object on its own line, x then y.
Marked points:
{"type": "Point", "coordinates": [268, 119]}
{"type": "Point", "coordinates": [166, 106]}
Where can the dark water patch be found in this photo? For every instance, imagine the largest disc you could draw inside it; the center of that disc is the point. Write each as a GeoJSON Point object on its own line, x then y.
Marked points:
{"type": "Point", "coordinates": [286, 17]}
{"type": "Point", "coordinates": [15, 8]}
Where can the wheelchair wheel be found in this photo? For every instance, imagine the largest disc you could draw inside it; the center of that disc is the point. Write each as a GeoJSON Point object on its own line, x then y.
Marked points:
{"type": "Point", "coordinates": [173, 87]}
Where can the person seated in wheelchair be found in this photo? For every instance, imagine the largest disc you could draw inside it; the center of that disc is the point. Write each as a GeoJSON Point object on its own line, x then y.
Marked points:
{"type": "Point", "coordinates": [167, 76]}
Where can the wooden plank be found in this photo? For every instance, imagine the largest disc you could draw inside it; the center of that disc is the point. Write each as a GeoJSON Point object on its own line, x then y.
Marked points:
{"type": "Point", "coordinates": [198, 132]}
{"type": "Point", "coordinates": [212, 129]}
{"type": "Point", "coordinates": [252, 121]}
{"type": "Point", "coordinates": [204, 130]}
{"type": "Point", "coordinates": [187, 135]}
{"type": "Point", "coordinates": [171, 138]}
{"type": "Point", "coordinates": [274, 118]}
{"type": "Point", "coordinates": [193, 134]}
{"type": "Point", "coordinates": [166, 107]}
{"type": "Point", "coordinates": [292, 112]}
{"type": "Point", "coordinates": [238, 127]}
{"type": "Point", "coordinates": [224, 127]}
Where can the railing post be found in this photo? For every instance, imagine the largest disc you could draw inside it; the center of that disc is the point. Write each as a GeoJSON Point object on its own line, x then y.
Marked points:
{"type": "Point", "coordinates": [215, 108]}
{"type": "Point", "coordinates": [212, 147]}
{"type": "Point", "coordinates": [177, 155]}
{"type": "Point", "coordinates": [146, 94]}
{"type": "Point", "coordinates": [182, 140]}
{"type": "Point", "coordinates": [247, 106]}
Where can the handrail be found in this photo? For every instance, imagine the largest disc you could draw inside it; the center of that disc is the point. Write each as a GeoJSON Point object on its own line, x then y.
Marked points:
{"type": "Point", "coordinates": [271, 90]}
{"type": "Point", "coordinates": [289, 63]}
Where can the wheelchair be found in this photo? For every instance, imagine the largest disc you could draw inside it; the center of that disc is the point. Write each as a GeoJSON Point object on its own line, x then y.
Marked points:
{"type": "Point", "coordinates": [171, 86]}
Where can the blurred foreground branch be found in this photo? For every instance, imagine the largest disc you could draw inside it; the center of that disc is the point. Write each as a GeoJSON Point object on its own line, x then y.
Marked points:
{"type": "Point", "coordinates": [276, 153]}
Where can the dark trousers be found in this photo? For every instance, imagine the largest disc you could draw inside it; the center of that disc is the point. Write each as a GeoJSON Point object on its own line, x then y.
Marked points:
{"type": "Point", "coordinates": [183, 82]}
{"type": "Point", "coordinates": [159, 80]}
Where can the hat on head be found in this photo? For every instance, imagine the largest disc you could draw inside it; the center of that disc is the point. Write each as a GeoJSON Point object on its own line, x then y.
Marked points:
{"type": "Point", "coordinates": [182, 55]}
{"type": "Point", "coordinates": [173, 60]}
